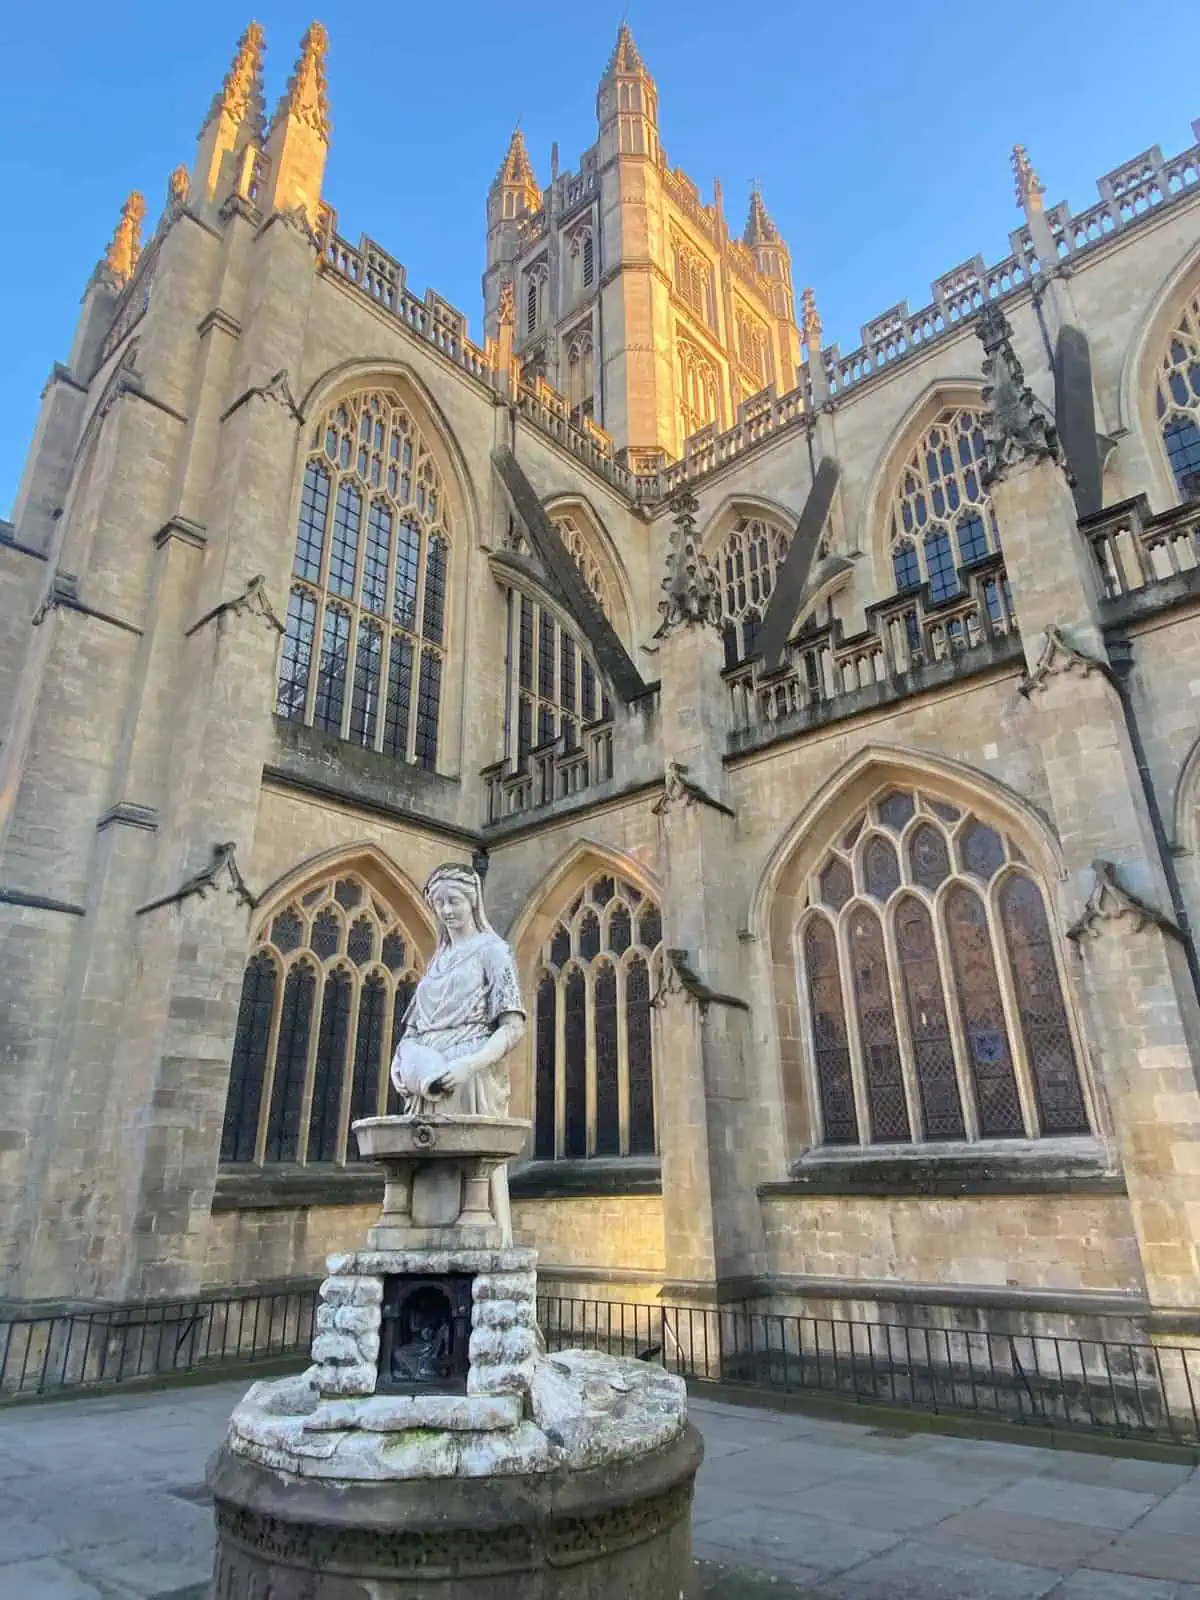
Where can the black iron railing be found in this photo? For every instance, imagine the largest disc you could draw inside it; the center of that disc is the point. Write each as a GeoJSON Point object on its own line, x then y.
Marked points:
{"type": "Point", "coordinates": [1147, 1390]}
{"type": "Point", "coordinates": [89, 1349]}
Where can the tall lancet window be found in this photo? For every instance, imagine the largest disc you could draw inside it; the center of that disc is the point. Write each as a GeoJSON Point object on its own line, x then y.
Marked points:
{"type": "Point", "coordinates": [325, 990]}
{"type": "Point", "coordinates": [365, 645]}
{"type": "Point", "coordinates": [1178, 400]}
{"type": "Point", "coordinates": [747, 565]}
{"type": "Point", "coordinates": [580, 383]}
{"type": "Point", "coordinates": [592, 1034]}
{"type": "Point", "coordinates": [930, 976]}
{"type": "Point", "coordinates": [942, 518]}
{"type": "Point", "coordinates": [699, 389]}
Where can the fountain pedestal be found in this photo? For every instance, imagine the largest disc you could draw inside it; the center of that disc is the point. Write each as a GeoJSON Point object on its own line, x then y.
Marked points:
{"type": "Point", "coordinates": [433, 1449]}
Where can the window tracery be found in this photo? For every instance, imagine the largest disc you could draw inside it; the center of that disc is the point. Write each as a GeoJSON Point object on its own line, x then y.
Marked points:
{"type": "Point", "coordinates": [536, 285]}
{"type": "Point", "coordinates": [593, 1040]}
{"type": "Point", "coordinates": [699, 389]}
{"type": "Point", "coordinates": [364, 644]}
{"type": "Point", "coordinates": [748, 564]}
{"type": "Point", "coordinates": [752, 343]}
{"type": "Point", "coordinates": [580, 382]}
{"type": "Point", "coordinates": [942, 517]}
{"type": "Point", "coordinates": [582, 249]}
{"type": "Point", "coordinates": [1177, 399]}
{"type": "Point", "coordinates": [325, 989]}
{"type": "Point", "coordinates": [931, 984]}
{"type": "Point", "coordinates": [693, 279]}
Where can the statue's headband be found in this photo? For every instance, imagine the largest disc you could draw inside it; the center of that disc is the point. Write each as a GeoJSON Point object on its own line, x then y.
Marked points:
{"type": "Point", "coordinates": [461, 877]}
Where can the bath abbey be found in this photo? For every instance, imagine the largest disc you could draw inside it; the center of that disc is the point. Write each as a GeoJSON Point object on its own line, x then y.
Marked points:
{"type": "Point", "coordinates": [824, 726]}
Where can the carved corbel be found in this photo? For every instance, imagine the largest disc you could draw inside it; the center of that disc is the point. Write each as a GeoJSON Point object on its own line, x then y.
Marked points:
{"type": "Point", "coordinates": [253, 599]}
{"type": "Point", "coordinates": [679, 977]}
{"type": "Point", "coordinates": [1060, 655]}
{"type": "Point", "coordinates": [1109, 900]}
{"type": "Point", "coordinates": [678, 789]}
{"type": "Point", "coordinates": [221, 872]}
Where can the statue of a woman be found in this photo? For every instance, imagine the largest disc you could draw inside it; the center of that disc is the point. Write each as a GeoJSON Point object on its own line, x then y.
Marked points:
{"type": "Point", "coordinates": [465, 1017]}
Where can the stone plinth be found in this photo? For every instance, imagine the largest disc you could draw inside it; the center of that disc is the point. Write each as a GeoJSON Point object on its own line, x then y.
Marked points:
{"type": "Point", "coordinates": [432, 1449]}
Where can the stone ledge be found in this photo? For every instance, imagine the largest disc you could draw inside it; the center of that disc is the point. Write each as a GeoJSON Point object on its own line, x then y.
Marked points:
{"type": "Point", "coordinates": [287, 1188]}
{"type": "Point", "coordinates": [571, 1180]}
{"type": "Point", "coordinates": [888, 1177]}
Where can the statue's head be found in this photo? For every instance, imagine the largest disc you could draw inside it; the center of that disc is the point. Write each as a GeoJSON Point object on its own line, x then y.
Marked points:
{"type": "Point", "coordinates": [455, 895]}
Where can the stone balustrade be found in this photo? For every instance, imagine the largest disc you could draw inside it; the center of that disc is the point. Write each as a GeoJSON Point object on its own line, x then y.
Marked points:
{"type": "Point", "coordinates": [553, 771]}
{"type": "Point", "coordinates": [1135, 550]}
{"type": "Point", "coordinates": [905, 634]}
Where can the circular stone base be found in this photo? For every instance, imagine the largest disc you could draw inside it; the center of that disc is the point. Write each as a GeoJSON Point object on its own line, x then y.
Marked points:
{"type": "Point", "coordinates": [606, 1533]}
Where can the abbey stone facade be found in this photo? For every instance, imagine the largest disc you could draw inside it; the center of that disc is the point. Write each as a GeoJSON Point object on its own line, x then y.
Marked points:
{"type": "Point", "coordinates": [828, 728]}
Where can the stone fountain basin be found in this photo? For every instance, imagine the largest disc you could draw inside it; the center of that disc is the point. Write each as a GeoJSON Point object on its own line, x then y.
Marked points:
{"type": "Point", "coordinates": [425, 1138]}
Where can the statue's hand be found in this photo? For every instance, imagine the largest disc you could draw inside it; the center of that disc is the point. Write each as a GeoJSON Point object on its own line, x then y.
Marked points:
{"type": "Point", "coordinates": [452, 1078]}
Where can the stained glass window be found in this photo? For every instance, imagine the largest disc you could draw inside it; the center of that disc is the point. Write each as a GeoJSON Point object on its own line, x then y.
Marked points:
{"type": "Point", "coordinates": [369, 583]}
{"type": "Point", "coordinates": [964, 956]}
{"type": "Point", "coordinates": [316, 1027]}
{"type": "Point", "coordinates": [941, 514]}
{"type": "Point", "coordinates": [594, 1068]}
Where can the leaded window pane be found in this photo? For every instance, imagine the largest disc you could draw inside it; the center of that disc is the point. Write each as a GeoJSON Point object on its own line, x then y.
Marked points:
{"type": "Point", "coordinates": [364, 701]}
{"type": "Point", "coordinates": [343, 555]}
{"type": "Point", "coordinates": [837, 884]}
{"type": "Point", "coordinates": [641, 1058]}
{"type": "Point", "coordinates": [877, 1029]}
{"type": "Point", "coordinates": [997, 1101]}
{"type": "Point", "coordinates": [589, 935]}
{"type": "Point", "coordinates": [288, 933]}
{"type": "Point", "coordinates": [377, 559]}
{"type": "Point", "coordinates": [360, 945]}
{"type": "Point", "coordinates": [982, 850]}
{"type": "Point", "coordinates": [408, 574]}
{"type": "Point", "coordinates": [310, 532]}
{"type": "Point", "coordinates": [399, 697]}
{"type": "Point", "coordinates": [296, 656]}
{"type": "Point", "coordinates": [1043, 1012]}
{"type": "Point", "coordinates": [928, 855]}
{"type": "Point", "coordinates": [429, 691]}
{"type": "Point", "coordinates": [248, 1067]}
{"type": "Point", "coordinates": [650, 928]}
{"type": "Point", "coordinates": [831, 1047]}
{"type": "Point", "coordinates": [881, 867]}
{"type": "Point", "coordinates": [326, 935]}
{"type": "Point", "coordinates": [331, 672]}
{"type": "Point", "coordinates": [329, 1072]}
{"type": "Point", "coordinates": [895, 809]}
{"type": "Point", "coordinates": [941, 476]}
{"type": "Point", "coordinates": [368, 1051]}
{"type": "Point", "coordinates": [620, 931]}
{"type": "Point", "coordinates": [575, 1065]}
{"type": "Point", "coordinates": [604, 1020]}
{"type": "Point", "coordinates": [291, 1060]}
{"type": "Point", "coordinates": [928, 1023]}
{"type": "Point", "coordinates": [750, 558]}
{"type": "Point", "coordinates": [1179, 400]}
{"type": "Point", "coordinates": [435, 590]}
{"type": "Point", "coordinates": [545, 1048]}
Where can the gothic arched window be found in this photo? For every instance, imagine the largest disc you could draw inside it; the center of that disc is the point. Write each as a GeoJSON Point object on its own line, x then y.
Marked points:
{"type": "Point", "coordinates": [693, 279]}
{"type": "Point", "coordinates": [753, 343]}
{"type": "Point", "coordinates": [325, 989]}
{"type": "Point", "coordinates": [932, 986]}
{"type": "Point", "coordinates": [554, 690]}
{"type": "Point", "coordinates": [1178, 400]}
{"type": "Point", "coordinates": [535, 299]}
{"type": "Point", "coordinates": [365, 640]}
{"type": "Point", "coordinates": [593, 1049]}
{"type": "Point", "coordinates": [583, 258]}
{"type": "Point", "coordinates": [747, 564]}
{"type": "Point", "coordinates": [580, 396]}
{"type": "Point", "coordinates": [699, 389]}
{"type": "Point", "coordinates": [942, 517]}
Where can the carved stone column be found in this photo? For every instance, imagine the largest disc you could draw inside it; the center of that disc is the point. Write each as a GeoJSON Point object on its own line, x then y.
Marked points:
{"type": "Point", "coordinates": [1134, 964]}
{"type": "Point", "coordinates": [710, 1104]}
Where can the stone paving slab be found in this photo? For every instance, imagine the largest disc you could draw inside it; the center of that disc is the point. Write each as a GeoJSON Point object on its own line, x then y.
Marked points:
{"type": "Point", "coordinates": [104, 1500]}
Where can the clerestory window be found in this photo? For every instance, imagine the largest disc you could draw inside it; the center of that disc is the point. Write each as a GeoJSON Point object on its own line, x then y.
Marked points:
{"type": "Point", "coordinates": [1178, 401]}
{"type": "Point", "coordinates": [942, 517]}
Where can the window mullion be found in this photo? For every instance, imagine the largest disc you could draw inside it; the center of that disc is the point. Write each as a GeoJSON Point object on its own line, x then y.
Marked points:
{"type": "Point", "coordinates": [560, 1065]}
{"type": "Point", "coordinates": [858, 1055]}
{"type": "Point", "coordinates": [310, 1065]}
{"type": "Point", "coordinates": [620, 968]}
{"type": "Point", "coordinates": [958, 1032]}
{"type": "Point", "coordinates": [1022, 1066]}
{"type": "Point", "coordinates": [346, 1092]}
{"type": "Point", "coordinates": [268, 1084]}
{"type": "Point", "coordinates": [904, 1039]}
{"type": "Point", "coordinates": [589, 1001]}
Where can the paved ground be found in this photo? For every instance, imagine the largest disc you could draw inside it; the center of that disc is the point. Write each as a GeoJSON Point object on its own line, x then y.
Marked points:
{"type": "Point", "coordinates": [103, 1499]}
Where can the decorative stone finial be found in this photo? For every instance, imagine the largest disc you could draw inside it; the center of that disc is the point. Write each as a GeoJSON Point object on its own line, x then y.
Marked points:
{"type": "Point", "coordinates": [306, 98]}
{"type": "Point", "coordinates": [125, 249]}
{"type": "Point", "coordinates": [241, 95]}
{"type": "Point", "coordinates": [178, 187]}
{"type": "Point", "coordinates": [691, 590]}
{"type": "Point", "coordinates": [1031, 190]}
{"type": "Point", "coordinates": [759, 227]}
{"type": "Point", "coordinates": [810, 322]}
{"type": "Point", "coordinates": [1015, 429]}
{"type": "Point", "coordinates": [516, 170]}
{"type": "Point", "coordinates": [626, 58]}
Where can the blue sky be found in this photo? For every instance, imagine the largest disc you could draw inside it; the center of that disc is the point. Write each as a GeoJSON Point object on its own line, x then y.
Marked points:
{"type": "Point", "coordinates": [880, 132]}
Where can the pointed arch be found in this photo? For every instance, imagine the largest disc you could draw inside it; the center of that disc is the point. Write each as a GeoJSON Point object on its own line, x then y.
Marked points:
{"type": "Point", "coordinates": [740, 503]}
{"type": "Point", "coordinates": [872, 769]}
{"type": "Point", "coordinates": [374, 866]}
{"type": "Point", "coordinates": [1185, 826]}
{"type": "Point", "coordinates": [580, 861]}
{"type": "Point", "coordinates": [747, 541]}
{"type": "Point", "coordinates": [620, 607]}
{"type": "Point", "coordinates": [1138, 384]}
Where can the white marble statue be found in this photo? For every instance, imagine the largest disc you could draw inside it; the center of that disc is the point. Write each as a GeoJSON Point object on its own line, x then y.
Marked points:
{"type": "Point", "coordinates": [465, 1017]}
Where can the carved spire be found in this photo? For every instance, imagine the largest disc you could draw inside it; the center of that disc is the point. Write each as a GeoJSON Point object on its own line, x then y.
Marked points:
{"type": "Point", "coordinates": [516, 170]}
{"type": "Point", "coordinates": [690, 588]}
{"type": "Point", "coordinates": [810, 322]}
{"type": "Point", "coordinates": [1031, 191]}
{"type": "Point", "coordinates": [306, 99]}
{"type": "Point", "coordinates": [759, 227]}
{"type": "Point", "coordinates": [626, 59]}
{"type": "Point", "coordinates": [125, 248]}
{"type": "Point", "coordinates": [241, 95]}
{"type": "Point", "coordinates": [1015, 429]}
